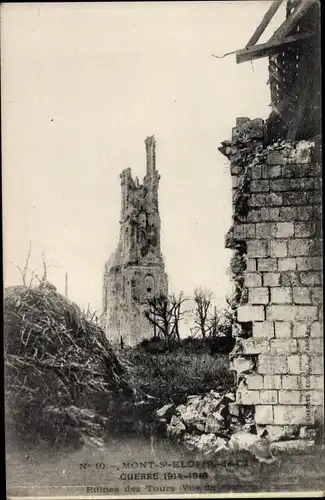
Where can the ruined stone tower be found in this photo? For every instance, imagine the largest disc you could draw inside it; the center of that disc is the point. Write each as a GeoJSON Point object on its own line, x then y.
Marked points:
{"type": "Point", "coordinates": [135, 271]}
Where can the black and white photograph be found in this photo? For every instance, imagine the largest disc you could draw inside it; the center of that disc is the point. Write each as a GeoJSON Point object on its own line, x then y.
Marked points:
{"type": "Point", "coordinates": [162, 249]}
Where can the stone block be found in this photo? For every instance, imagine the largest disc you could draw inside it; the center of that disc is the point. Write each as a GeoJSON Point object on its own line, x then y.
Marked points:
{"type": "Point", "coordinates": [315, 345]}
{"type": "Point", "coordinates": [283, 329]}
{"type": "Point", "coordinates": [304, 229]}
{"type": "Point", "coordinates": [302, 184]}
{"type": "Point", "coordinates": [290, 382]}
{"type": "Point", "coordinates": [255, 171]}
{"type": "Point", "coordinates": [316, 398]}
{"type": "Point", "coordinates": [257, 200]}
{"type": "Point", "coordinates": [246, 397]}
{"type": "Point", "coordinates": [268, 397]}
{"type": "Point", "coordinates": [275, 158]}
{"type": "Point", "coordinates": [305, 213]}
{"type": "Point", "coordinates": [281, 295]}
{"type": "Point", "coordinates": [274, 213]}
{"type": "Point", "coordinates": [283, 346]}
{"type": "Point", "coordinates": [288, 213]}
{"type": "Point", "coordinates": [280, 185]}
{"type": "Point", "coordinates": [271, 365]}
{"type": "Point", "coordinates": [289, 397]}
{"type": "Point", "coordinates": [287, 264]}
{"type": "Point", "coordinates": [294, 198]}
{"type": "Point", "coordinates": [317, 295]}
{"type": "Point", "coordinates": [242, 365]}
{"type": "Point", "coordinates": [298, 247]}
{"type": "Point", "coordinates": [263, 330]}
{"type": "Point", "coordinates": [311, 278]}
{"type": "Point", "coordinates": [316, 329]}
{"type": "Point", "coordinates": [314, 197]}
{"type": "Point", "coordinates": [266, 230]}
{"type": "Point", "coordinates": [254, 346]}
{"type": "Point", "coordinates": [257, 248]}
{"type": "Point", "coordinates": [248, 312]}
{"type": "Point", "coordinates": [253, 280]}
{"type": "Point", "coordinates": [259, 186]}
{"type": "Point", "coordinates": [301, 295]}
{"type": "Point", "coordinates": [272, 382]}
{"type": "Point", "coordinates": [284, 230]}
{"type": "Point", "coordinates": [244, 231]}
{"type": "Point", "coordinates": [258, 295]}
{"type": "Point", "coordinates": [254, 215]}
{"type": "Point", "coordinates": [267, 264]}
{"type": "Point", "coordinates": [291, 413]}
{"type": "Point", "coordinates": [300, 330]}
{"type": "Point", "coordinates": [289, 278]}
{"type": "Point", "coordinates": [309, 263]}
{"type": "Point", "coordinates": [315, 382]}
{"type": "Point", "coordinates": [273, 171]}
{"type": "Point", "coordinates": [251, 265]}
{"type": "Point", "coordinates": [298, 364]}
{"type": "Point", "coordinates": [273, 199]}
{"type": "Point", "coordinates": [254, 382]}
{"type": "Point", "coordinates": [278, 248]}
{"type": "Point", "coordinates": [317, 367]}
{"type": "Point", "coordinates": [291, 313]}
{"type": "Point", "coordinates": [271, 279]}
{"type": "Point", "coordinates": [264, 414]}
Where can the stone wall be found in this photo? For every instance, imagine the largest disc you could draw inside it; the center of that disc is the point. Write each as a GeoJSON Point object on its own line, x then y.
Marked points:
{"type": "Point", "coordinates": [277, 242]}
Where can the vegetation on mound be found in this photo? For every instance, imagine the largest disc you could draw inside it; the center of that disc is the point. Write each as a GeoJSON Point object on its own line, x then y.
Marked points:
{"type": "Point", "coordinates": [64, 383]}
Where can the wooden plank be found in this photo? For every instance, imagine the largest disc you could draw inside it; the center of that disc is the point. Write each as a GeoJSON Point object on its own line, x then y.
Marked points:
{"type": "Point", "coordinates": [292, 20]}
{"type": "Point", "coordinates": [264, 23]}
{"type": "Point", "coordinates": [269, 48]}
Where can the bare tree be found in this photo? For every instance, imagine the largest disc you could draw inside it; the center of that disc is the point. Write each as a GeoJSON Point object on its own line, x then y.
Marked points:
{"type": "Point", "coordinates": [203, 300]}
{"type": "Point", "coordinates": [213, 323]}
{"type": "Point", "coordinates": [24, 271]}
{"type": "Point", "coordinates": [164, 312]}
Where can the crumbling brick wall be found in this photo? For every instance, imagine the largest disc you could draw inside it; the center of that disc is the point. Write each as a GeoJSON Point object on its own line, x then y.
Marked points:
{"type": "Point", "coordinates": [276, 235]}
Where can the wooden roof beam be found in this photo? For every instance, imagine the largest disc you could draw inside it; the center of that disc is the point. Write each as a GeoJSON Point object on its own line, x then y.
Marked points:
{"type": "Point", "coordinates": [269, 48]}
{"type": "Point", "coordinates": [300, 10]}
{"type": "Point", "coordinates": [264, 23]}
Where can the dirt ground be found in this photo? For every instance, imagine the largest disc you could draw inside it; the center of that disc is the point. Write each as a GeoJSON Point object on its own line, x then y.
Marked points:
{"type": "Point", "coordinates": [134, 468]}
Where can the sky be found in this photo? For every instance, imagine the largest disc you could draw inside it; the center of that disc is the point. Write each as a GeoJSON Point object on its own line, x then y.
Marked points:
{"type": "Point", "coordinates": [82, 86]}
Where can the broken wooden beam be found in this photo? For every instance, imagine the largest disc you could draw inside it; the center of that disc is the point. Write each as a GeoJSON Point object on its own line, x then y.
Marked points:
{"type": "Point", "coordinates": [269, 48]}
{"type": "Point", "coordinates": [300, 10]}
{"type": "Point", "coordinates": [264, 23]}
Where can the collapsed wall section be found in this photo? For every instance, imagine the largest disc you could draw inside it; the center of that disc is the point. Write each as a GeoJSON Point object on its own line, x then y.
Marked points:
{"type": "Point", "coordinates": [277, 269]}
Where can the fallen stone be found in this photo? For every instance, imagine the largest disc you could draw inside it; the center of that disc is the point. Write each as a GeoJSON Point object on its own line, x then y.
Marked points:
{"type": "Point", "coordinates": [308, 433]}
{"type": "Point", "coordinates": [214, 423]}
{"type": "Point", "coordinates": [175, 428]}
{"type": "Point", "coordinates": [209, 443]}
{"type": "Point", "coordinates": [297, 444]}
{"type": "Point", "coordinates": [166, 411]}
{"type": "Point", "coordinates": [278, 432]}
{"type": "Point", "coordinates": [258, 446]}
{"type": "Point", "coordinates": [191, 441]}
{"type": "Point", "coordinates": [243, 365]}
{"type": "Point", "coordinates": [234, 409]}
{"type": "Point", "coordinates": [191, 417]}
{"type": "Point", "coordinates": [229, 397]}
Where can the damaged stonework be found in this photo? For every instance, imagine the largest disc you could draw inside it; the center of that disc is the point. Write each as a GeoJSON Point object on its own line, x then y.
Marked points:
{"type": "Point", "coordinates": [277, 272]}
{"type": "Point", "coordinates": [135, 272]}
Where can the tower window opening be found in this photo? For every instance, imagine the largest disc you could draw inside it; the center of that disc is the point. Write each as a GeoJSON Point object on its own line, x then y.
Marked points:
{"type": "Point", "coordinates": [149, 290]}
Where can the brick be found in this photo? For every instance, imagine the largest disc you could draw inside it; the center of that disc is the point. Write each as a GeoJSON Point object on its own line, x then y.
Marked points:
{"type": "Point", "coordinates": [265, 214]}
{"type": "Point", "coordinates": [314, 197]}
{"type": "Point", "coordinates": [255, 171]}
{"type": "Point", "coordinates": [251, 265]}
{"type": "Point", "coordinates": [317, 365]}
{"type": "Point", "coordinates": [298, 364]}
{"type": "Point", "coordinates": [296, 415]}
{"type": "Point", "coordinates": [268, 397]}
{"type": "Point", "coordinates": [273, 171]}
{"type": "Point", "coordinates": [266, 230]}
{"type": "Point", "coordinates": [258, 295]}
{"type": "Point", "coordinates": [253, 279]}
{"type": "Point", "coordinates": [274, 213]}
{"type": "Point", "coordinates": [302, 184]}
{"type": "Point", "coordinates": [294, 198]}
{"type": "Point", "coordinates": [282, 329]}
{"type": "Point", "coordinates": [257, 249]}
{"type": "Point", "coordinates": [317, 295]}
{"type": "Point", "coordinates": [305, 213]}
{"type": "Point", "coordinates": [278, 248]}
{"type": "Point", "coordinates": [302, 170]}
{"type": "Point", "coordinates": [304, 229]}
{"type": "Point", "coordinates": [288, 213]}
{"type": "Point", "coordinates": [311, 278]}
{"type": "Point", "coordinates": [275, 158]}
{"type": "Point", "coordinates": [259, 186]}
{"type": "Point", "coordinates": [267, 264]}
{"type": "Point", "coordinates": [272, 382]}
{"type": "Point", "coordinates": [281, 295]}
{"type": "Point", "coordinates": [243, 231]}
{"type": "Point", "coordinates": [315, 381]}
{"type": "Point", "coordinates": [301, 295]}
{"type": "Point", "coordinates": [290, 382]}
{"type": "Point", "coordinates": [284, 229]}
{"type": "Point", "coordinates": [271, 279]}
{"type": "Point", "coordinates": [316, 329]}
{"type": "Point", "coordinates": [287, 264]}
{"type": "Point", "coordinates": [318, 212]}
{"type": "Point", "coordinates": [257, 200]}
{"type": "Point", "coordinates": [248, 312]}
{"type": "Point", "coordinates": [264, 414]}
{"type": "Point", "coordinates": [254, 215]}
{"type": "Point", "coordinates": [300, 330]}
{"type": "Point", "coordinates": [283, 346]}
{"type": "Point", "coordinates": [309, 263]}
{"type": "Point", "coordinates": [273, 199]}
{"type": "Point", "coordinates": [289, 278]}
{"type": "Point", "coordinates": [280, 185]}
{"type": "Point", "coordinates": [254, 382]}
{"type": "Point", "coordinates": [269, 365]}
{"type": "Point", "coordinates": [298, 247]}
{"type": "Point", "coordinates": [289, 397]}
{"type": "Point", "coordinates": [291, 313]}
{"type": "Point", "coordinates": [246, 397]}
{"type": "Point", "coordinates": [263, 330]}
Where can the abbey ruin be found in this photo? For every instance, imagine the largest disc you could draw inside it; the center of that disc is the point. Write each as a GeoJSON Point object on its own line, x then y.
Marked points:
{"type": "Point", "coordinates": [135, 271]}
